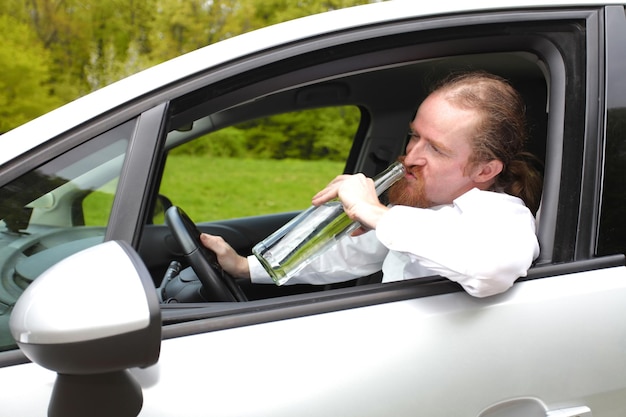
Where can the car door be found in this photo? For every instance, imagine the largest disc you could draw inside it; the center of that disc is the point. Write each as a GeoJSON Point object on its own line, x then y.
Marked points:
{"type": "Point", "coordinates": [553, 343]}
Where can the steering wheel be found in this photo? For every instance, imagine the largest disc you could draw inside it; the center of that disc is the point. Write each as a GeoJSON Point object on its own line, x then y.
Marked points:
{"type": "Point", "coordinates": [203, 261]}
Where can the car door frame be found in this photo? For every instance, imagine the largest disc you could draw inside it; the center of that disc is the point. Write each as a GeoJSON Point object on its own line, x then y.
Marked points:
{"type": "Point", "coordinates": [568, 259]}
{"type": "Point", "coordinates": [553, 194]}
{"type": "Point", "coordinates": [564, 230]}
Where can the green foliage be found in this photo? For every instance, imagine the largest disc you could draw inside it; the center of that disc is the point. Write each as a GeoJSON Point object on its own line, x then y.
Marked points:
{"type": "Point", "coordinates": [228, 142]}
{"type": "Point", "coordinates": [254, 14]}
{"type": "Point", "coordinates": [312, 134]}
{"type": "Point", "coordinates": [63, 49]}
{"type": "Point", "coordinates": [180, 26]}
{"type": "Point", "coordinates": [106, 65]}
{"type": "Point", "coordinates": [24, 86]}
{"type": "Point", "coordinates": [324, 133]}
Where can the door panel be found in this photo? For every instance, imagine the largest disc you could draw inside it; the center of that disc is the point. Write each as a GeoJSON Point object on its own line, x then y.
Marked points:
{"type": "Point", "coordinates": [560, 340]}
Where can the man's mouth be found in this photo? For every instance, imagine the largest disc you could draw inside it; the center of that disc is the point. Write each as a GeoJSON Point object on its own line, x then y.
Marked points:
{"type": "Point", "coordinates": [413, 174]}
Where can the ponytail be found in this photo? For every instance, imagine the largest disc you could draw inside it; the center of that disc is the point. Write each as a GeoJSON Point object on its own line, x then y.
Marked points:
{"type": "Point", "coordinates": [522, 178]}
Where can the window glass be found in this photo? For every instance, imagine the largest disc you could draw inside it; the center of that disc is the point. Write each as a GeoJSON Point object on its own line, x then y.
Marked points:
{"type": "Point", "coordinates": [612, 230]}
{"type": "Point", "coordinates": [54, 211]}
{"type": "Point", "coordinates": [267, 165]}
{"type": "Point", "coordinates": [612, 236]}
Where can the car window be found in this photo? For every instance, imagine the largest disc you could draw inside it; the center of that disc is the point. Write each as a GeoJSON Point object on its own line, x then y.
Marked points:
{"type": "Point", "coordinates": [612, 236]}
{"type": "Point", "coordinates": [612, 228]}
{"type": "Point", "coordinates": [262, 166]}
{"type": "Point", "coordinates": [55, 210]}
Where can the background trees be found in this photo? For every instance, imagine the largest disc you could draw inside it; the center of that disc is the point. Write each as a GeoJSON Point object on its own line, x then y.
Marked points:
{"type": "Point", "coordinates": [26, 68]}
{"type": "Point", "coordinates": [54, 51]}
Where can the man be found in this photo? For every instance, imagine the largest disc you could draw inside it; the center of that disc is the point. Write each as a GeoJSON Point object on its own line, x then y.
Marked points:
{"type": "Point", "coordinates": [462, 210]}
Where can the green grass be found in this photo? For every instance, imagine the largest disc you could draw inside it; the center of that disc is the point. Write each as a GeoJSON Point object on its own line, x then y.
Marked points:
{"type": "Point", "coordinates": [222, 188]}
{"type": "Point", "coordinates": [97, 205]}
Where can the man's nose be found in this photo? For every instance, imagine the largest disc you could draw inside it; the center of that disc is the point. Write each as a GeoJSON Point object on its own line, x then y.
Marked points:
{"type": "Point", "coordinates": [415, 154]}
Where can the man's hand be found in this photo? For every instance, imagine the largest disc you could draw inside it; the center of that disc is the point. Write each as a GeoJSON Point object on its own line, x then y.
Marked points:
{"type": "Point", "coordinates": [234, 264]}
{"type": "Point", "coordinates": [358, 197]}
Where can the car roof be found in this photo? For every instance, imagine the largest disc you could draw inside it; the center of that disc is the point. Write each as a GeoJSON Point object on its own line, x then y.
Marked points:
{"type": "Point", "coordinates": [80, 111]}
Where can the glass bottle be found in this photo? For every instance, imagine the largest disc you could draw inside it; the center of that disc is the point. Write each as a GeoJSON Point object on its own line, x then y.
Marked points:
{"type": "Point", "coordinates": [285, 252]}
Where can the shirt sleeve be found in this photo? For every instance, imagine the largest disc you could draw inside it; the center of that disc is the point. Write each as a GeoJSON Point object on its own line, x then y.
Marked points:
{"type": "Point", "coordinates": [484, 240]}
{"type": "Point", "coordinates": [351, 257]}
{"type": "Point", "coordinates": [258, 274]}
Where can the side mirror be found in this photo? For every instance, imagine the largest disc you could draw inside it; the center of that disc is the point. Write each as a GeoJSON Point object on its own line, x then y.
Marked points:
{"type": "Point", "coordinates": [89, 318]}
{"type": "Point", "coordinates": [161, 204]}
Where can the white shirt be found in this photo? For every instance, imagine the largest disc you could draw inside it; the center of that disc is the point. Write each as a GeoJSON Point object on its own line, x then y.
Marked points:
{"type": "Point", "coordinates": [484, 241]}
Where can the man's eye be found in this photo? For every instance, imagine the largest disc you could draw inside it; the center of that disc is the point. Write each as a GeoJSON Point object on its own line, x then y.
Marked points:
{"type": "Point", "coordinates": [435, 149]}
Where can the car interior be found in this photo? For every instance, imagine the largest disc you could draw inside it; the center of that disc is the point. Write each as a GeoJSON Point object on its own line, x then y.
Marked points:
{"type": "Point", "coordinates": [387, 94]}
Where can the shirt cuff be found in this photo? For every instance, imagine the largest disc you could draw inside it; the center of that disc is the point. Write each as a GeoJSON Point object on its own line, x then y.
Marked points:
{"type": "Point", "coordinates": [387, 227]}
{"type": "Point", "coordinates": [258, 274]}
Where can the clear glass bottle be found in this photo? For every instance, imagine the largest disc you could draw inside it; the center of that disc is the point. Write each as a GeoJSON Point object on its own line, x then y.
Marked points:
{"type": "Point", "coordinates": [285, 252]}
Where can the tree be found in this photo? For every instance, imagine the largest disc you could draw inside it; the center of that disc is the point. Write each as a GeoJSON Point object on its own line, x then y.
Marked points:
{"type": "Point", "coordinates": [82, 45]}
{"type": "Point", "coordinates": [324, 133]}
{"type": "Point", "coordinates": [254, 14]}
{"type": "Point", "coordinates": [181, 26]}
{"type": "Point", "coordinates": [119, 40]}
{"type": "Point", "coordinates": [25, 66]}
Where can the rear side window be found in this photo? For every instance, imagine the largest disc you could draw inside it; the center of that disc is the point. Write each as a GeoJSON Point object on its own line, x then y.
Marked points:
{"type": "Point", "coordinates": [612, 236]}
{"type": "Point", "coordinates": [612, 227]}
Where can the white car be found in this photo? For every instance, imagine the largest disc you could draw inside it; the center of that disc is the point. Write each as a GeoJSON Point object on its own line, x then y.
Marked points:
{"type": "Point", "coordinates": [96, 336]}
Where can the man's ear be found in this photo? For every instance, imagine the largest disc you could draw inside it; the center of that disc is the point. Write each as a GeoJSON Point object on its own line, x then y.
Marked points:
{"type": "Point", "coordinates": [487, 171]}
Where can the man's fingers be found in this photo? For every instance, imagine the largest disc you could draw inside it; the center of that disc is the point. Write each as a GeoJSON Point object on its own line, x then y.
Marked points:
{"type": "Point", "coordinates": [330, 191]}
{"type": "Point", "coordinates": [212, 242]}
{"type": "Point", "coordinates": [360, 231]}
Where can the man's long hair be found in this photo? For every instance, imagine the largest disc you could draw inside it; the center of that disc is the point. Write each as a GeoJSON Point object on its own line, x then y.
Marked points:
{"type": "Point", "coordinates": [502, 132]}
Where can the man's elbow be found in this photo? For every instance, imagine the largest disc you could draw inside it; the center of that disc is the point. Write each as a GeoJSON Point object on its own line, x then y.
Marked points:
{"type": "Point", "coordinates": [486, 286]}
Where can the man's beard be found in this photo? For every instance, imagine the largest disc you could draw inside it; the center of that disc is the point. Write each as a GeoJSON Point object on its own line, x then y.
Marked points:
{"type": "Point", "coordinates": [409, 193]}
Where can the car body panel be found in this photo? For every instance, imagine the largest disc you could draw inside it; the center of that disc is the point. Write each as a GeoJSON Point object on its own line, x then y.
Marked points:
{"type": "Point", "coordinates": [411, 344]}
{"type": "Point", "coordinates": [237, 372]}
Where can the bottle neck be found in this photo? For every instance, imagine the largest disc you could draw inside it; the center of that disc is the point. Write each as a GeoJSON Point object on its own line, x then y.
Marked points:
{"type": "Point", "coordinates": [388, 177]}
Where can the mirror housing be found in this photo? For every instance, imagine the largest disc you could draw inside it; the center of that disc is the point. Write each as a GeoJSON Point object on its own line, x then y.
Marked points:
{"type": "Point", "coordinates": [161, 204]}
{"type": "Point", "coordinates": [89, 318]}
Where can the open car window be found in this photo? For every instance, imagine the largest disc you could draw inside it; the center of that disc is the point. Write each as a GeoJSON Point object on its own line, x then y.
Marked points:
{"type": "Point", "coordinates": [386, 79]}
{"type": "Point", "coordinates": [261, 166]}
{"type": "Point", "coordinates": [262, 157]}
{"type": "Point", "coordinates": [54, 211]}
